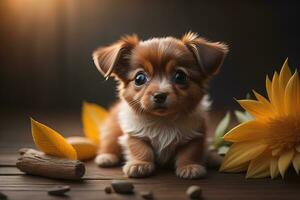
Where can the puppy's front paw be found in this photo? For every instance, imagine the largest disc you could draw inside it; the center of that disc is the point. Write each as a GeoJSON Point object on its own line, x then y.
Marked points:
{"type": "Point", "coordinates": [138, 169]}
{"type": "Point", "coordinates": [107, 160]}
{"type": "Point", "coordinates": [193, 171]}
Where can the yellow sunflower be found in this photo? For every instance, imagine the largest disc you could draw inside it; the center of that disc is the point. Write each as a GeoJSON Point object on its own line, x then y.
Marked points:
{"type": "Point", "coordinates": [270, 143]}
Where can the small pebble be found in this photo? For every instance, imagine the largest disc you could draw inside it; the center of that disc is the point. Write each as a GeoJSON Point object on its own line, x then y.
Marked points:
{"type": "Point", "coordinates": [59, 190]}
{"type": "Point", "coordinates": [122, 187]}
{"type": "Point", "coordinates": [146, 195]}
{"type": "Point", "coordinates": [194, 192]}
{"type": "Point", "coordinates": [107, 189]}
{"type": "Point", "coordinates": [2, 196]}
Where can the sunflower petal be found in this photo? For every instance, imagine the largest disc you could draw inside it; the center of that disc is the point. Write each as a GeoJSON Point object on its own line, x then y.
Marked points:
{"type": "Point", "coordinates": [246, 131]}
{"type": "Point", "coordinates": [274, 171]}
{"type": "Point", "coordinates": [296, 162]}
{"type": "Point", "coordinates": [240, 153]}
{"type": "Point", "coordinates": [256, 108]}
{"type": "Point", "coordinates": [259, 167]}
{"type": "Point", "coordinates": [277, 99]}
{"type": "Point", "coordinates": [250, 139]}
{"type": "Point", "coordinates": [285, 160]}
{"type": "Point", "coordinates": [269, 88]}
{"type": "Point", "coordinates": [264, 101]}
{"type": "Point", "coordinates": [240, 168]}
{"type": "Point", "coordinates": [261, 98]}
{"type": "Point", "coordinates": [292, 96]}
{"type": "Point", "coordinates": [276, 151]}
{"type": "Point", "coordinates": [285, 75]}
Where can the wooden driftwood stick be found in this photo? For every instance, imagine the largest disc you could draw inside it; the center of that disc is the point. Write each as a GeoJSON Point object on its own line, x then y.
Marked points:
{"type": "Point", "coordinates": [37, 163]}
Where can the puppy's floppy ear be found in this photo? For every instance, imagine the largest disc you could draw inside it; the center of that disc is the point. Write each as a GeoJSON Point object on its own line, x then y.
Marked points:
{"type": "Point", "coordinates": [210, 56]}
{"type": "Point", "coordinates": [113, 59]}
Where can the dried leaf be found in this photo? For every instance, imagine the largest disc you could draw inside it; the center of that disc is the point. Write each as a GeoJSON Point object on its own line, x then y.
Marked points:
{"type": "Point", "coordinates": [221, 129]}
{"type": "Point", "coordinates": [85, 148]}
{"type": "Point", "coordinates": [51, 142]}
{"type": "Point", "coordinates": [93, 117]}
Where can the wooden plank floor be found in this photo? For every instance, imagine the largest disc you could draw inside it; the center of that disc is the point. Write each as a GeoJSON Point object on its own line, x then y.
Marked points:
{"type": "Point", "coordinates": [15, 133]}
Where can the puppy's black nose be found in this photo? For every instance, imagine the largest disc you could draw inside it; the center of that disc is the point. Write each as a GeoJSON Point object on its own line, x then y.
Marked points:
{"type": "Point", "coordinates": [160, 98]}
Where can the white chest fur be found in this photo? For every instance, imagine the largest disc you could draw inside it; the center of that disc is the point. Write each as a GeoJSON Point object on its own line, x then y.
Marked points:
{"type": "Point", "coordinates": [164, 134]}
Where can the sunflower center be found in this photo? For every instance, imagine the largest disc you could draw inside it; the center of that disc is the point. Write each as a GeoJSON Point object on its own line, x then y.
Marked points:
{"type": "Point", "coordinates": [284, 132]}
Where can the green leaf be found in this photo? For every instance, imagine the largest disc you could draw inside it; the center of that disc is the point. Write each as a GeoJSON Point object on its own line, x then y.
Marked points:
{"type": "Point", "coordinates": [211, 147]}
{"type": "Point", "coordinates": [242, 116]}
{"type": "Point", "coordinates": [223, 150]}
{"type": "Point", "coordinates": [250, 117]}
{"type": "Point", "coordinates": [248, 96]}
{"type": "Point", "coordinates": [221, 129]}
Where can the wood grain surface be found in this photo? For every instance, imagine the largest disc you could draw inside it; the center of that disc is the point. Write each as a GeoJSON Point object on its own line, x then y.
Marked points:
{"type": "Point", "coordinates": [164, 184]}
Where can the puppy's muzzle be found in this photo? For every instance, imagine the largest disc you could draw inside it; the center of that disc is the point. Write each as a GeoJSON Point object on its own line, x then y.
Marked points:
{"type": "Point", "coordinates": [160, 98]}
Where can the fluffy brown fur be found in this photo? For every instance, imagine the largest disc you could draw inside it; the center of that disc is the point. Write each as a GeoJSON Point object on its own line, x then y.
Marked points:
{"type": "Point", "coordinates": [159, 118]}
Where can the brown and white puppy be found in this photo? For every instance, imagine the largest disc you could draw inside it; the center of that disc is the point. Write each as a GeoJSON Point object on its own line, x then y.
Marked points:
{"type": "Point", "coordinates": [159, 117]}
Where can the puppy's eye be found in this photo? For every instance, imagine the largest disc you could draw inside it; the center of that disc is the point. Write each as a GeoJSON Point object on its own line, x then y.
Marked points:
{"type": "Point", "coordinates": [140, 79]}
{"type": "Point", "coordinates": [180, 77]}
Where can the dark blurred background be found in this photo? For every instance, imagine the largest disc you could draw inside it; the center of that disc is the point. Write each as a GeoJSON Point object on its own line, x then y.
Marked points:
{"type": "Point", "coordinates": [46, 45]}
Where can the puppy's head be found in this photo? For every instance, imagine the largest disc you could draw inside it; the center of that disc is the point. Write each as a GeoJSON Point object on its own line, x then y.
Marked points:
{"type": "Point", "coordinates": [161, 76]}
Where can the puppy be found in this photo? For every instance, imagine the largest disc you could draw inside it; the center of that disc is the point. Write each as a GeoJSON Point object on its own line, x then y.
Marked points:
{"type": "Point", "coordinates": [159, 117]}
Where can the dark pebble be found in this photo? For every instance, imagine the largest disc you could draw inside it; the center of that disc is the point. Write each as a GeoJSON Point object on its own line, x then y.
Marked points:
{"type": "Point", "coordinates": [146, 195]}
{"type": "Point", "coordinates": [2, 196]}
{"type": "Point", "coordinates": [107, 189]}
{"type": "Point", "coordinates": [122, 187]}
{"type": "Point", "coordinates": [59, 190]}
{"type": "Point", "coordinates": [194, 192]}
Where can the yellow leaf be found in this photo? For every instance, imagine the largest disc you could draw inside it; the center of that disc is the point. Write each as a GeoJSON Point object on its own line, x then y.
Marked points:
{"type": "Point", "coordinates": [51, 142]}
{"type": "Point", "coordinates": [85, 148]}
{"type": "Point", "coordinates": [93, 117]}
